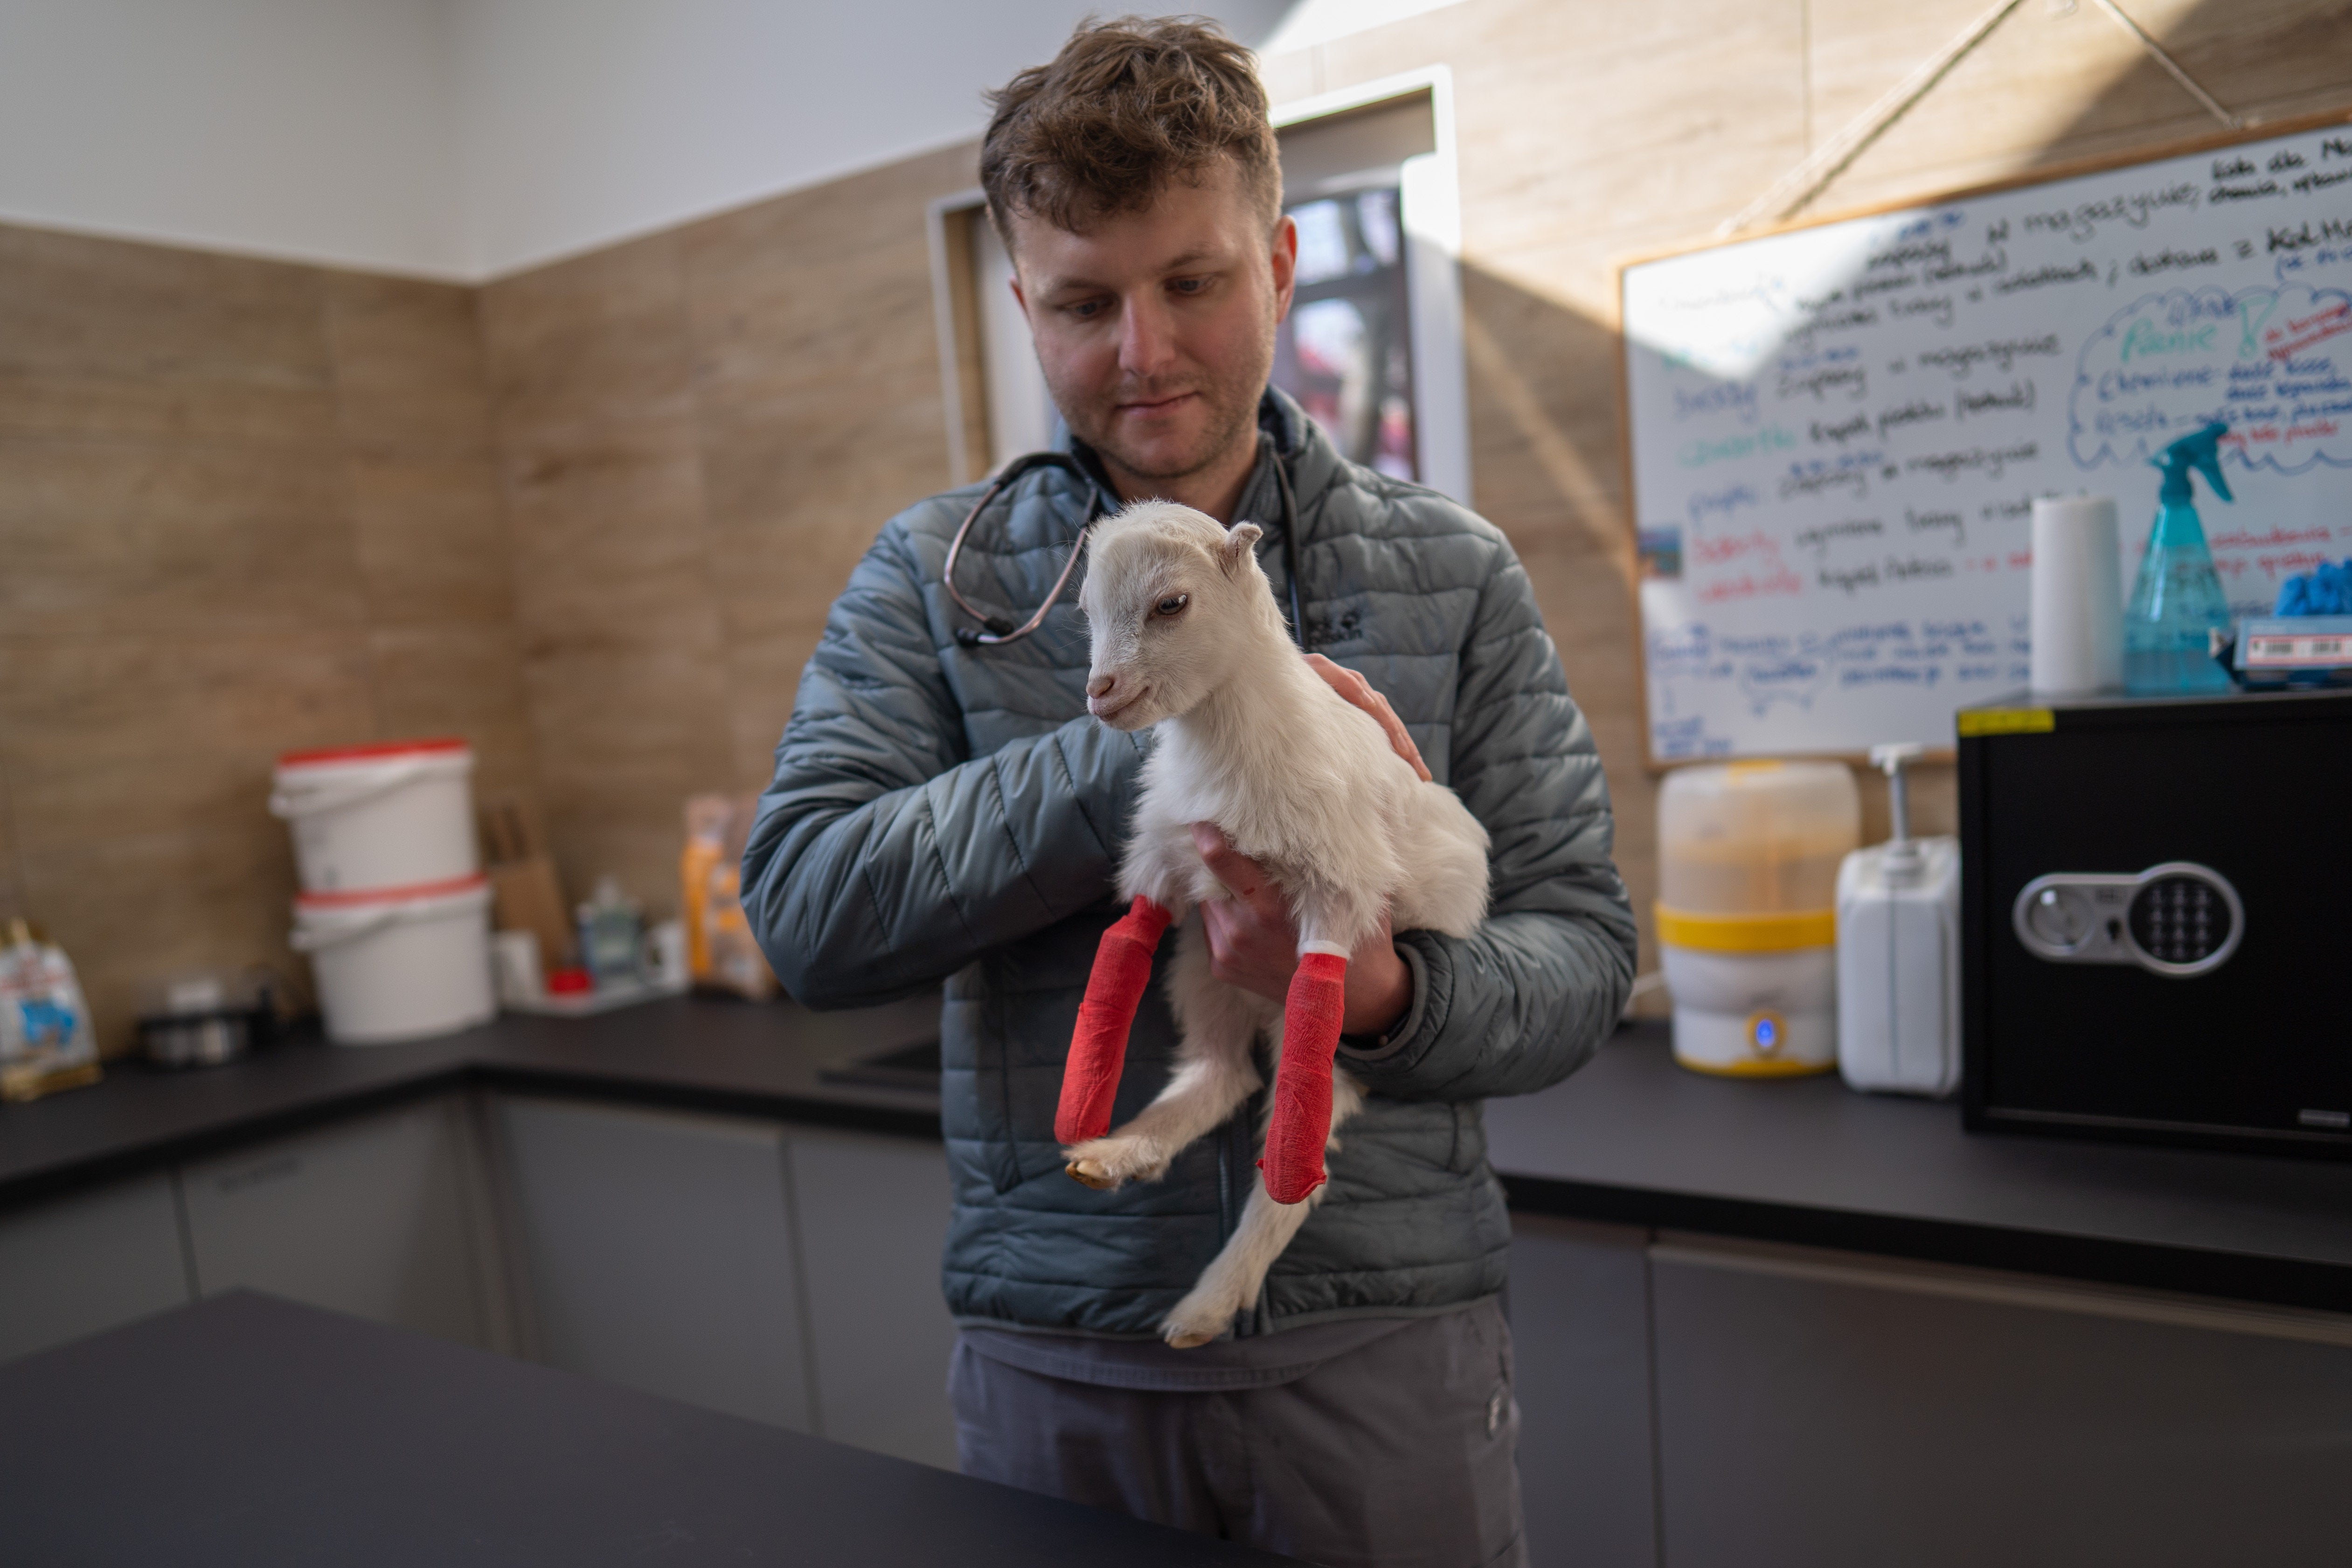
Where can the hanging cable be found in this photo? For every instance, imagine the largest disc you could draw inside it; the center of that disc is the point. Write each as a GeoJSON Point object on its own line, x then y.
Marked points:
{"type": "Point", "coordinates": [2157, 52]}
{"type": "Point", "coordinates": [1787, 195]}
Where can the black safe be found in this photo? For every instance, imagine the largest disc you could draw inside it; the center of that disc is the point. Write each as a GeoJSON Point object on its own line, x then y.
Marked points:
{"type": "Point", "coordinates": [2156, 916]}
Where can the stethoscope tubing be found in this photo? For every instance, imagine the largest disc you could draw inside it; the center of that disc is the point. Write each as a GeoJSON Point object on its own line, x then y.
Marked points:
{"type": "Point", "coordinates": [995, 631]}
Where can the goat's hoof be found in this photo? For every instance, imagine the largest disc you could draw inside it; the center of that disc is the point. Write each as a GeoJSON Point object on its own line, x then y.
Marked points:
{"type": "Point", "coordinates": [1196, 1321]}
{"type": "Point", "coordinates": [1086, 1174]}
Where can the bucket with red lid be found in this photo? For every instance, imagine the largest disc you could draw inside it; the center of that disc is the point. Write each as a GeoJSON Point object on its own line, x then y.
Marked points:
{"type": "Point", "coordinates": [394, 913]}
{"type": "Point", "coordinates": [402, 964]}
{"type": "Point", "coordinates": [372, 818]}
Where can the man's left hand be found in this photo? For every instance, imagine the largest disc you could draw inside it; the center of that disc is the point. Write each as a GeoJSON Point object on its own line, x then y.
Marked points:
{"type": "Point", "coordinates": [1252, 944]}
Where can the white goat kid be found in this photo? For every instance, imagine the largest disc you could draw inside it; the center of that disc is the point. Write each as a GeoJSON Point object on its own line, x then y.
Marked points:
{"type": "Point", "coordinates": [1186, 635]}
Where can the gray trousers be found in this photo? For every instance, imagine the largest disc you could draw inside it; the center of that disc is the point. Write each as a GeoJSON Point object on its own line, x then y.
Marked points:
{"type": "Point", "coordinates": [1399, 1454]}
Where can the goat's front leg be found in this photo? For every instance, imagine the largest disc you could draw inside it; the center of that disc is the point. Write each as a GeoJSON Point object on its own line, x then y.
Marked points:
{"type": "Point", "coordinates": [1098, 1046]}
{"type": "Point", "coordinates": [1301, 1119]}
{"type": "Point", "coordinates": [1234, 1280]}
{"type": "Point", "coordinates": [1214, 1073]}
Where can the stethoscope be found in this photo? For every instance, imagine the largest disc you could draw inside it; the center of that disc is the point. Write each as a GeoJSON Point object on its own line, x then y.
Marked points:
{"type": "Point", "coordinates": [999, 631]}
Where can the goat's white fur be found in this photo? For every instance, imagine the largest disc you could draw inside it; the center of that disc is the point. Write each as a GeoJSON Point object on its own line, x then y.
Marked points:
{"type": "Point", "coordinates": [1299, 780]}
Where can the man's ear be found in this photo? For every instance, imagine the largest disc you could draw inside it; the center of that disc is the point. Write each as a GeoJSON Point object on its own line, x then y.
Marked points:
{"type": "Point", "coordinates": [1236, 547]}
{"type": "Point", "coordinates": [1286, 265]}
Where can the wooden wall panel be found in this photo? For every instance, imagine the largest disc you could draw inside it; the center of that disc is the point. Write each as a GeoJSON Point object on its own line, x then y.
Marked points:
{"type": "Point", "coordinates": [818, 374]}
{"type": "Point", "coordinates": [2057, 84]}
{"type": "Point", "coordinates": [246, 507]}
{"type": "Point", "coordinates": [593, 405]}
{"type": "Point", "coordinates": [700, 434]}
{"type": "Point", "coordinates": [428, 523]}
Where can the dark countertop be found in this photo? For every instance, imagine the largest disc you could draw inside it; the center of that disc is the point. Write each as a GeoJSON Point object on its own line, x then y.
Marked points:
{"type": "Point", "coordinates": [250, 1431]}
{"type": "Point", "coordinates": [715, 1055]}
{"type": "Point", "coordinates": [1636, 1140]}
{"type": "Point", "coordinates": [1631, 1139]}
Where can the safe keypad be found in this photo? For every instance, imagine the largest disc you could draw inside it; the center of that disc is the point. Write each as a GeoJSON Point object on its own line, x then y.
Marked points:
{"type": "Point", "coordinates": [2179, 920]}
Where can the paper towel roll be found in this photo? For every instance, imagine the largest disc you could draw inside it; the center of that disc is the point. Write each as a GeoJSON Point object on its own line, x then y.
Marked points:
{"type": "Point", "coordinates": [2078, 596]}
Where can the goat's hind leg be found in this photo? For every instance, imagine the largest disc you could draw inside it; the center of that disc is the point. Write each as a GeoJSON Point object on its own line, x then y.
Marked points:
{"type": "Point", "coordinates": [1231, 1281]}
{"type": "Point", "coordinates": [1213, 1076]}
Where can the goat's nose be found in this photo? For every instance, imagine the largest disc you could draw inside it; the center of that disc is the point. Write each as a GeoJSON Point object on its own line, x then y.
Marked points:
{"type": "Point", "coordinates": [1100, 685]}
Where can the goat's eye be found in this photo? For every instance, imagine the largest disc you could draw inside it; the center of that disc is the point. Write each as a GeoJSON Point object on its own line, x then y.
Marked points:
{"type": "Point", "coordinates": [1173, 604]}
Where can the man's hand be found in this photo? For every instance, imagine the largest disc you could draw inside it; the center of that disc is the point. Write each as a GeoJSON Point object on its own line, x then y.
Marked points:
{"type": "Point", "coordinates": [1252, 944]}
{"type": "Point", "coordinates": [1360, 694]}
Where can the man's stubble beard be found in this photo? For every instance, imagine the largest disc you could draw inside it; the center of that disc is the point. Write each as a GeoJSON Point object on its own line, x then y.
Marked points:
{"type": "Point", "coordinates": [1234, 404]}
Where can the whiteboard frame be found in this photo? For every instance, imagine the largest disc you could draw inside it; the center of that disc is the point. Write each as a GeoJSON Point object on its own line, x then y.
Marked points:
{"type": "Point", "coordinates": [2189, 147]}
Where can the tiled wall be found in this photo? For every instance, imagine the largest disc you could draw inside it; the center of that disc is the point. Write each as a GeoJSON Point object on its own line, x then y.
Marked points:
{"type": "Point", "coordinates": [701, 432]}
{"type": "Point", "coordinates": [593, 514]}
{"type": "Point", "coordinates": [244, 507]}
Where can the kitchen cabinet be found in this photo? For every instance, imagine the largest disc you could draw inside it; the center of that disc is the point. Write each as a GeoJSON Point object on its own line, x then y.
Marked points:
{"type": "Point", "coordinates": [873, 1213]}
{"type": "Point", "coordinates": [790, 1275]}
{"type": "Point", "coordinates": [89, 1261]}
{"type": "Point", "coordinates": [655, 1248]}
{"type": "Point", "coordinates": [1822, 1409]}
{"type": "Point", "coordinates": [1580, 1310]}
{"type": "Point", "coordinates": [372, 1215]}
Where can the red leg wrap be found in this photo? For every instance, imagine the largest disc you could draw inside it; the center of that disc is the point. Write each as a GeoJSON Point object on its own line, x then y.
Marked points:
{"type": "Point", "coordinates": [1301, 1123]}
{"type": "Point", "coordinates": [1098, 1047]}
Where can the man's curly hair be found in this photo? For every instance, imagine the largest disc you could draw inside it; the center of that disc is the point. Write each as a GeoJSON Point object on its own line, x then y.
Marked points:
{"type": "Point", "coordinates": [1126, 107]}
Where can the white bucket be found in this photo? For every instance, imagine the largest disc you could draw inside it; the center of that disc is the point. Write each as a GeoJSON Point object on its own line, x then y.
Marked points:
{"type": "Point", "coordinates": [399, 967]}
{"type": "Point", "coordinates": [371, 819]}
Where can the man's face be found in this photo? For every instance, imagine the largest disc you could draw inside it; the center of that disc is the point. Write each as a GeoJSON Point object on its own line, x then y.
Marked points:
{"type": "Point", "coordinates": [1155, 329]}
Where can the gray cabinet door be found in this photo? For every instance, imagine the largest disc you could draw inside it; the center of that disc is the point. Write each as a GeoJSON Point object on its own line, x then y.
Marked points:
{"type": "Point", "coordinates": [370, 1217]}
{"type": "Point", "coordinates": [654, 1249]}
{"type": "Point", "coordinates": [873, 1219]}
{"type": "Point", "coordinates": [1815, 1411]}
{"type": "Point", "coordinates": [75, 1265]}
{"type": "Point", "coordinates": [1580, 1305]}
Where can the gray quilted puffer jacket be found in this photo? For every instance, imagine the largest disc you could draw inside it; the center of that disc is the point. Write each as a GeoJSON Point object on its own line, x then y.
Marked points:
{"type": "Point", "coordinates": [949, 813]}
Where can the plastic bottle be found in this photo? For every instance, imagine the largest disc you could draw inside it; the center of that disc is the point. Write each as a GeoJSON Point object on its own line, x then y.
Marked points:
{"type": "Point", "coordinates": [2178, 599]}
{"type": "Point", "coordinates": [1898, 953]}
{"type": "Point", "coordinates": [612, 935]}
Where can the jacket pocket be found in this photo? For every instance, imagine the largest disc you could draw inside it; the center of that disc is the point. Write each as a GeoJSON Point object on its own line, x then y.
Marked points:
{"type": "Point", "coordinates": [1469, 1138]}
{"type": "Point", "coordinates": [974, 1031]}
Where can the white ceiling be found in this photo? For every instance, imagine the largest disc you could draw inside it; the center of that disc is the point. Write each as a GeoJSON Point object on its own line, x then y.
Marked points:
{"type": "Point", "coordinates": [466, 138]}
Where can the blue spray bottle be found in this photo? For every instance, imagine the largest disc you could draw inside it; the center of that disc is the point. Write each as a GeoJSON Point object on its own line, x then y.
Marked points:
{"type": "Point", "coordinates": [2177, 598]}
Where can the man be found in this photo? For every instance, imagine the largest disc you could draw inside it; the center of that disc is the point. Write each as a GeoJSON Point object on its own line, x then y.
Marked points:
{"type": "Point", "coordinates": [947, 811]}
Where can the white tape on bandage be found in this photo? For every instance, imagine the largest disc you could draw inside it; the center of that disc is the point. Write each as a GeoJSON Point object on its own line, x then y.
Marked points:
{"type": "Point", "coordinates": [1330, 949]}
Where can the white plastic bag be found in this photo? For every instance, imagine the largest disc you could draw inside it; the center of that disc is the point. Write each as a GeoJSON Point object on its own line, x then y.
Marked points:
{"type": "Point", "coordinates": [45, 1039]}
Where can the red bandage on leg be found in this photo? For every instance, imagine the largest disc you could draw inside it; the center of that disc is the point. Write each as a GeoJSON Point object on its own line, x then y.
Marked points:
{"type": "Point", "coordinates": [1098, 1047]}
{"type": "Point", "coordinates": [1301, 1123]}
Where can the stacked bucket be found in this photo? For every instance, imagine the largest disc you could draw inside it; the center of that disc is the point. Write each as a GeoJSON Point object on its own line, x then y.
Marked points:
{"type": "Point", "coordinates": [393, 911]}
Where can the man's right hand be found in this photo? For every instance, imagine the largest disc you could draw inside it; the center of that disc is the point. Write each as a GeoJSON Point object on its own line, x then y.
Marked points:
{"type": "Point", "coordinates": [1359, 693]}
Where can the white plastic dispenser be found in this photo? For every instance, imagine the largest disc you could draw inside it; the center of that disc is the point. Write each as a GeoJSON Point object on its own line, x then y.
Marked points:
{"type": "Point", "coordinates": [1898, 963]}
{"type": "Point", "coordinates": [1747, 866]}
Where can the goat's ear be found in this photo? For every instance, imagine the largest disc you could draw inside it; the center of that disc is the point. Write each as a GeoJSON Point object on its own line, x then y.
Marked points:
{"type": "Point", "coordinates": [1236, 546]}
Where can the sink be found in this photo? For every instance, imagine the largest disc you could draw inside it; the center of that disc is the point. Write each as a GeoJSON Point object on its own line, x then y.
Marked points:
{"type": "Point", "coordinates": [915, 1067]}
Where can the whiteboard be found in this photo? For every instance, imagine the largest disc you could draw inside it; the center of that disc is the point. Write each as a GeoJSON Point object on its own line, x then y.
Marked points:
{"type": "Point", "coordinates": [1835, 433]}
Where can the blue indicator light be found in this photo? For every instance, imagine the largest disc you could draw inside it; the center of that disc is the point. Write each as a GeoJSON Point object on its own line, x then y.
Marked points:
{"type": "Point", "coordinates": [1767, 1035]}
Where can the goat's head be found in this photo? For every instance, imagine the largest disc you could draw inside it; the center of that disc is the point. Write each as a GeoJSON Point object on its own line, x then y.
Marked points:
{"type": "Point", "coordinates": [1175, 605]}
